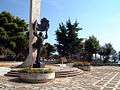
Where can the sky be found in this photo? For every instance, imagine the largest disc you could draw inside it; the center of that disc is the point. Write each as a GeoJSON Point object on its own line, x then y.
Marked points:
{"type": "Point", "coordinates": [100, 18]}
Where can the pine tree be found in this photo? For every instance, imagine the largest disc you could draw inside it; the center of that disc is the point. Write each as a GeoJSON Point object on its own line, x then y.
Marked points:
{"type": "Point", "coordinates": [68, 42]}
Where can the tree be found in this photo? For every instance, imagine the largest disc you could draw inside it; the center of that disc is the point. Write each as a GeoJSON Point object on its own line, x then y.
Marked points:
{"type": "Point", "coordinates": [101, 52]}
{"type": "Point", "coordinates": [49, 49]}
{"type": "Point", "coordinates": [13, 33]}
{"type": "Point", "coordinates": [119, 55]}
{"type": "Point", "coordinates": [68, 42]}
{"type": "Point", "coordinates": [3, 37]}
{"type": "Point", "coordinates": [91, 46]}
{"type": "Point", "coordinates": [114, 56]}
{"type": "Point", "coordinates": [108, 50]}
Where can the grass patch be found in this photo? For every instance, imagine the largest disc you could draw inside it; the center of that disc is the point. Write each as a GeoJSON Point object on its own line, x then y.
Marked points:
{"type": "Point", "coordinates": [36, 70]}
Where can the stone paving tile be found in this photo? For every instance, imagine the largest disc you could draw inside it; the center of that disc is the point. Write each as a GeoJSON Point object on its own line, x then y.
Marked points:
{"type": "Point", "coordinates": [110, 85]}
{"type": "Point", "coordinates": [105, 79]}
{"type": "Point", "coordinates": [118, 86]}
{"type": "Point", "coordinates": [117, 89]}
{"type": "Point", "coordinates": [116, 79]}
{"type": "Point", "coordinates": [107, 88]}
{"type": "Point", "coordinates": [100, 84]}
{"type": "Point", "coordinates": [113, 82]}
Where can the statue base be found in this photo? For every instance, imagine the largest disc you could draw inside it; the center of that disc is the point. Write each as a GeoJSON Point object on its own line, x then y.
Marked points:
{"type": "Point", "coordinates": [39, 65]}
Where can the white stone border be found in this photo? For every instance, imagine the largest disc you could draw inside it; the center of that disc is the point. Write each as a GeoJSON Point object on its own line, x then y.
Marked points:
{"type": "Point", "coordinates": [36, 77]}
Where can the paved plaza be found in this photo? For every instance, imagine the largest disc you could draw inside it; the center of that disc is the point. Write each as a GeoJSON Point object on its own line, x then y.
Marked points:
{"type": "Point", "coordinates": [99, 78]}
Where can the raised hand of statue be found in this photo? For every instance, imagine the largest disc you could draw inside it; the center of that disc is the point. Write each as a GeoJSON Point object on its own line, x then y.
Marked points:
{"type": "Point", "coordinates": [44, 25]}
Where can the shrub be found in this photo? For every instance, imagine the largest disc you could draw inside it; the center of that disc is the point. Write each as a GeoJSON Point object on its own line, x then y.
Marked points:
{"type": "Point", "coordinates": [36, 70]}
{"type": "Point", "coordinates": [81, 64]}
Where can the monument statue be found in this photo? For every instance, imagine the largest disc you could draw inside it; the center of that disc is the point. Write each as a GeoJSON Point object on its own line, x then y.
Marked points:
{"type": "Point", "coordinates": [34, 16]}
{"type": "Point", "coordinates": [38, 32]}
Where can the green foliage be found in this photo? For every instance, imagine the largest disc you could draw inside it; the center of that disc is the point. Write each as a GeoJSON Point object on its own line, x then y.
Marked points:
{"type": "Point", "coordinates": [36, 70]}
{"type": "Point", "coordinates": [3, 33]}
{"type": "Point", "coordinates": [13, 33]}
{"type": "Point", "coordinates": [3, 21]}
{"type": "Point", "coordinates": [92, 45]}
{"type": "Point", "coordinates": [68, 42]}
{"type": "Point", "coordinates": [106, 51]}
{"type": "Point", "coordinates": [85, 66]}
{"type": "Point", "coordinates": [8, 16]}
{"type": "Point", "coordinates": [12, 45]}
{"type": "Point", "coordinates": [119, 55]}
{"type": "Point", "coordinates": [22, 26]}
{"type": "Point", "coordinates": [6, 51]}
{"type": "Point", "coordinates": [101, 51]}
{"type": "Point", "coordinates": [76, 64]}
{"type": "Point", "coordinates": [50, 49]}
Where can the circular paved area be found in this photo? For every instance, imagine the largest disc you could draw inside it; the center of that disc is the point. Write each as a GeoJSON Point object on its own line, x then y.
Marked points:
{"type": "Point", "coordinates": [99, 78]}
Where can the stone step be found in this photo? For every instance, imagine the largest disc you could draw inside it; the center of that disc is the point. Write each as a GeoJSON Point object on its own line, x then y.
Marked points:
{"type": "Point", "coordinates": [13, 72]}
{"type": "Point", "coordinates": [58, 73]}
{"type": "Point", "coordinates": [68, 73]}
{"type": "Point", "coordinates": [12, 75]}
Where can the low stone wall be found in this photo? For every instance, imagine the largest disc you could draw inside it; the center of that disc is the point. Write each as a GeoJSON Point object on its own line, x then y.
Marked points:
{"type": "Point", "coordinates": [105, 64]}
{"type": "Point", "coordinates": [84, 68]}
{"type": "Point", "coordinates": [36, 77]}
